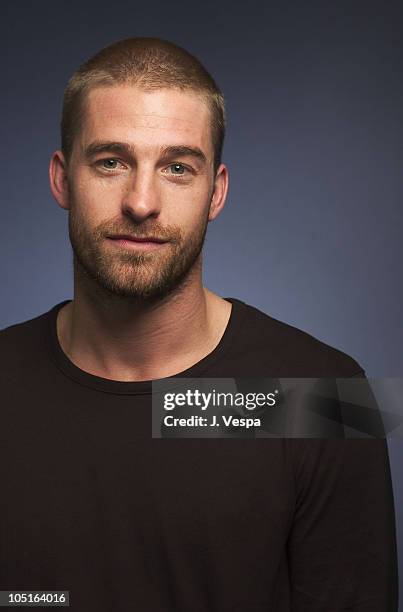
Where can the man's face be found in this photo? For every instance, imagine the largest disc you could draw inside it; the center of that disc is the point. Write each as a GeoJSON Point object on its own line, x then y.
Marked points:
{"type": "Point", "coordinates": [122, 182]}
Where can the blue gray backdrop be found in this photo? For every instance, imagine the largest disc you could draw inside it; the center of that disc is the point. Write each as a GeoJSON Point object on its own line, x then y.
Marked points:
{"type": "Point", "coordinates": [312, 229]}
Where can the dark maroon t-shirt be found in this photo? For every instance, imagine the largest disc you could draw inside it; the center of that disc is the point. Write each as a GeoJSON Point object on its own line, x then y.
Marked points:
{"type": "Point", "coordinates": [92, 504]}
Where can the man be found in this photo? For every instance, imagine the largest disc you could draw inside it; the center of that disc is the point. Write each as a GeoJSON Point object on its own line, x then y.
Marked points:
{"type": "Point", "coordinates": [92, 503]}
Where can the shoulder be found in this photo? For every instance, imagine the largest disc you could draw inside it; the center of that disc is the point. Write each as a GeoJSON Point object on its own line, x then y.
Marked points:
{"type": "Point", "coordinates": [22, 342]}
{"type": "Point", "coordinates": [21, 330]}
{"type": "Point", "coordinates": [292, 349]}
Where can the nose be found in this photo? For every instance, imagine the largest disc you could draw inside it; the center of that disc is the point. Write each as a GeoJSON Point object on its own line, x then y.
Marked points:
{"type": "Point", "coordinates": [141, 198]}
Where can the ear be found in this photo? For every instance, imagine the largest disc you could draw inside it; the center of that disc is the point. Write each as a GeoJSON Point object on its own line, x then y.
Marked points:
{"type": "Point", "coordinates": [219, 193]}
{"type": "Point", "coordinates": [58, 179]}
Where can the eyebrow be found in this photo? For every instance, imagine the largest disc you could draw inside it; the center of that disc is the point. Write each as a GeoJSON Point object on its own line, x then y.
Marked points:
{"type": "Point", "coordinates": [97, 147]}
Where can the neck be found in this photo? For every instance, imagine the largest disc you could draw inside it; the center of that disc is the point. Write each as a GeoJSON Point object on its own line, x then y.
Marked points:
{"type": "Point", "coordinates": [125, 339]}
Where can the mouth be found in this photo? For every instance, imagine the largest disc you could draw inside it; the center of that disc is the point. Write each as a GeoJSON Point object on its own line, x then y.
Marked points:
{"type": "Point", "coordinates": [134, 242]}
{"type": "Point", "coordinates": [137, 238]}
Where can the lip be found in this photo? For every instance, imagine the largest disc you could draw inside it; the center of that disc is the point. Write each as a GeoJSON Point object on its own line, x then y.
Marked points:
{"type": "Point", "coordinates": [130, 242]}
{"type": "Point", "coordinates": [137, 239]}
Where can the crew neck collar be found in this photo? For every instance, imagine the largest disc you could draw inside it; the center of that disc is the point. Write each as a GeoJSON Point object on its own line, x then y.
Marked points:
{"type": "Point", "coordinates": [106, 385]}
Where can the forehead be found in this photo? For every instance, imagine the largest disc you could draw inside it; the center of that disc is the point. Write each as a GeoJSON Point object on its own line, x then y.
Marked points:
{"type": "Point", "coordinates": [147, 119]}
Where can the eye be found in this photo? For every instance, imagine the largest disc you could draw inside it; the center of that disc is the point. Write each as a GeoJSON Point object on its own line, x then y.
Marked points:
{"type": "Point", "coordinates": [178, 169]}
{"type": "Point", "coordinates": [108, 163]}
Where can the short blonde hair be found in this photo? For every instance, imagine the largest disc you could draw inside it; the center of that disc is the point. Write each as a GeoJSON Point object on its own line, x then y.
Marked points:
{"type": "Point", "coordinates": [151, 63]}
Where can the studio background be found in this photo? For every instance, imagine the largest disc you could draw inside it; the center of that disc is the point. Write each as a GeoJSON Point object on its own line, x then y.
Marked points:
{"type": "Point", "coordinates": [313, 224]}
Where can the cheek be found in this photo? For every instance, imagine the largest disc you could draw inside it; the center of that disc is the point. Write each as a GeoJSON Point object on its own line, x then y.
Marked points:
{"type": "Point", "coordinates": [195, 222]}
{"type": "Point", "coordinates": [188, 206]}
{"type": "Point", "coordinates": [94, 199]}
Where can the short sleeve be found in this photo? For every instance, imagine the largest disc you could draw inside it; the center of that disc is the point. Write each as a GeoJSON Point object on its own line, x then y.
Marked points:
{"type": "Point", "coordinates": [342, 542]}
